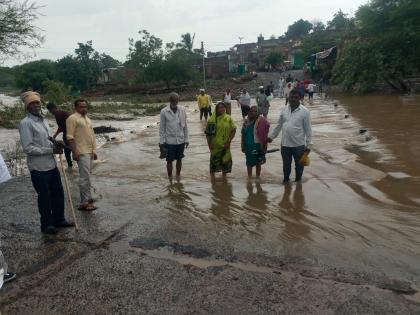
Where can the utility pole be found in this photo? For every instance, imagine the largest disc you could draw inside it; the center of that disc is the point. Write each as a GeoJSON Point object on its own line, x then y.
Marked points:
{"type": "Point", "coordinates": [240, 55]}
{"type": "Point", "coordinates": [204, 66]}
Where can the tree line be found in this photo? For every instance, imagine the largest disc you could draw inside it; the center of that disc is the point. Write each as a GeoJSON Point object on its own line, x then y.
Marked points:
{"type": "Point", "coordinates": [380, 43]}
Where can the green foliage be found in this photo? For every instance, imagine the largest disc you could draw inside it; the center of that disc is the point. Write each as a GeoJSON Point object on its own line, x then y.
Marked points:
{"type": "Point", "coordinates": [298, 29]}
{"type": "Point", "coordinates": [175, 64]}
{"type": "Point", "coordinates": [274, 58]}
{"type": "Point", "coordinates": [6, 77]}
{"type": "Point", "coordinates": [145, 51]}
{"type": "Point", "coordinates": [69, 71]}
{"type": "Point", "coordinates": [16, 27]}
{"type": "Point", "coordinates": [386, 47]}
{"type": "Point", "coordinates": [11, 116]}
{"type": "Point", "coordinates": [31, 75]}
{"type": "Point", "coordinates": [56, 92]}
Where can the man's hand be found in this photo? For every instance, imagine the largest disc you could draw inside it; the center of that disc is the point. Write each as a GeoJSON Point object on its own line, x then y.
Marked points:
{"type": "Point", "coordinates": [57, 149]}
{"type": "Point", "coordinates": [76, 155]}
{"type": "Point", "coordinates": [187, 144]}
{"type": "Point", "coordinates": [95, 156]}
{"type": "Point", "coordinates": [269, 140]}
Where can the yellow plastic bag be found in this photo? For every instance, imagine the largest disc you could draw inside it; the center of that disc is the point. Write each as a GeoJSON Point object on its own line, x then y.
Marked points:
{"type": "Point", "coordinates": [305, 160]}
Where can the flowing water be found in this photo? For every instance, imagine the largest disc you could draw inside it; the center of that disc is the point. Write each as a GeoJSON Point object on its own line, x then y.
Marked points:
{"type": "Point", "coordinates": [358, 205]}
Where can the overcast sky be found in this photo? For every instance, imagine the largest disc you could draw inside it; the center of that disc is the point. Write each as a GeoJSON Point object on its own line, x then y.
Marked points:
{"type": "Point", "coordinates": [109, 23]}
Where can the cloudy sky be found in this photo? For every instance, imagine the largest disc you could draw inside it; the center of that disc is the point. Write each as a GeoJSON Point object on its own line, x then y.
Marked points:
{"type": "Point", "coordinates": [109, 23]}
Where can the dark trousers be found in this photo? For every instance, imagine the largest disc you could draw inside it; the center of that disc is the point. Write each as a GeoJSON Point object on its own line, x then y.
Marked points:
{"type": "Point", "coordinates": [204, 111]}
{"type": "Point", "coordinates": [287, 153]}
{"type": "Point", "coordinates": [50, 196]}
{"type": "Point", "coordinates": [67, 152]}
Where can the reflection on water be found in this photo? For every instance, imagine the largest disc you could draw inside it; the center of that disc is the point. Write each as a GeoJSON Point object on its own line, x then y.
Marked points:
{"type": "Point", "coordinates": [292, 214]}
{"type": "Point", "coordinates": [354, 208]}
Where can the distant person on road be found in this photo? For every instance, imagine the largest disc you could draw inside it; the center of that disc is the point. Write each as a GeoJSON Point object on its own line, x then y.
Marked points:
{"type": "Point", "coordinates": [227, 99]}
{"type": "Point", "coordinates": [61, 117]}
{"type": "Point", "coordinates": [289, 78]}
{"type": "Point", "coordinates": [281, 87]}
{"type": "Point", "coordinates": [220, 131]}
{"type": "Point", "coordinates": [173, 134]}
{"type": "Point", "coordinates": [244, 101]}
{"type": "Point", "coordinates": [34, 136]}
{"type": "Point", "coordinates": [295, 124]}
{"type": "Point", "coordinates": [287, 90]}
{"type": "Point", "coordinates": [82, 141]}
{"type": "Point", "coordinates": [262, 102]}
{"type": "Point", "coordinates": [204, 103]}
{"type": "Point", "coordinates": [311, 88]}
{"type": "Point", "coordinates": [254, 140]}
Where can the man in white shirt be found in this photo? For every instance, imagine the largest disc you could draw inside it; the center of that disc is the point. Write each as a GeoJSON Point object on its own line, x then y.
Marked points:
{"type": "Point", "coordinates": [173, 133]}
{"type": "Point", "coordinates": [311, 87]}
{"type": "Point", "coordinates": [295, 124]}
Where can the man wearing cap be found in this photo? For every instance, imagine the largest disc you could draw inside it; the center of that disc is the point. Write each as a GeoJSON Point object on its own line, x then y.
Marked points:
{"type": "Point", "coordinates": [204, 104]}
{"type": "Point", "coordinates": [262, 102]}
{"type": "Point", "coordinates": [34, 136]}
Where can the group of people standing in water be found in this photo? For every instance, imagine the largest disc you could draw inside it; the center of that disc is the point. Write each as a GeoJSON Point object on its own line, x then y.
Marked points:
{"type": "Point", "coordinates": [294, 123]}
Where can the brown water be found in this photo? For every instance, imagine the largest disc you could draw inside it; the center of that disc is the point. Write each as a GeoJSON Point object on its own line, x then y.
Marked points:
{"type": "Point", "coordinates": [358, 205]}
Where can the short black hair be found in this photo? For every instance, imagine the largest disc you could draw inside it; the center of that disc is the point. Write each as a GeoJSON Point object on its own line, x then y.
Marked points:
{"type": "Point", "coordinates": [51, 106]}
{"type": "Point", "coordinates": [294, 92]}
{"type": "Point", "coordinates": [80, 100]}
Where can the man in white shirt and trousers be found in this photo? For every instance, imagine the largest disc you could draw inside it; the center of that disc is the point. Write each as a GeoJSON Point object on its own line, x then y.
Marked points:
{"type": "Point", "coordinates": [295, 124]}
{"type": "Point", "coordinates": [173, 133]}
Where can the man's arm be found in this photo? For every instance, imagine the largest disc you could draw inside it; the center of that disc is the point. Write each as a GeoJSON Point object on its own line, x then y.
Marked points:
{"type": "Point", "coordinates": [162, 128]}
{"type": "Point", "coordinates": [186, 132]}
{"type": "Point", "coordinates": [307, 130]}
{"type": "Point", "coordinates": [29, 147]}
{"type": "Point", "coordinates": [71, 128]}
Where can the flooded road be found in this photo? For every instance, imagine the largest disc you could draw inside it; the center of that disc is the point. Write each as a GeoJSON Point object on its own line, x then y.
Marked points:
{"type": "Point", "coordinates": [358, 206]}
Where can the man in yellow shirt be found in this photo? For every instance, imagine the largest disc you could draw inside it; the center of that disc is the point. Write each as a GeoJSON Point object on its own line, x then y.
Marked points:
{"type": "Point", "coordinates": [204, 104]}
{"type": "Point", "coordinates": [82, 142]}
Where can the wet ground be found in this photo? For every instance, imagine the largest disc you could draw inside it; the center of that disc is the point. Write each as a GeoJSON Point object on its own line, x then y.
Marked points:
{"type": "Point", "coordinates": [345, 240]}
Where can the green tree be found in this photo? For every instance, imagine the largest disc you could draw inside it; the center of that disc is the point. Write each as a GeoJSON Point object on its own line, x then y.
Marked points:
{"type": "Point", "coordinates": [56, 92]}
{"type": "Point", "coordinates": [389, 39]}
{"type": "Point", "coordinates": [90, 64]}
{"type": "Point", "coordinates": [16, 27]}
{"type": "Point", "coordinates": [298, 29]}
{"type": "Point", "coordinates": [274, 58]}
{"type": "Point", "coordinates": [31, 75]}
{"type": "Point", "coordinates": [187, 42]}
{"type": "Point", "coordinates": [145, 51]}
{"type": "Point", "coordinates": [69, 71]}
{"type": "Point", "coordinates": [340, 22]}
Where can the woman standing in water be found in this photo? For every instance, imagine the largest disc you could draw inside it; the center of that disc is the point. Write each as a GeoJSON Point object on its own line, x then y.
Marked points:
{"type": "Point", "coordinates": [220, 131]}
{"type": "Point", "coordinates": [254, 140]}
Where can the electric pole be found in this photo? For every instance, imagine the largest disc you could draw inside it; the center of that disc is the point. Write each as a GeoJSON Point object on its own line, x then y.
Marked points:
{"type": "Point", "coordinates": [204, 66]}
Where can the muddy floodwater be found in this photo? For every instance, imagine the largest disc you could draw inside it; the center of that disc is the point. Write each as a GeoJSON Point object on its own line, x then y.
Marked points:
{"type": "Point", "coordinates": [358, 205]}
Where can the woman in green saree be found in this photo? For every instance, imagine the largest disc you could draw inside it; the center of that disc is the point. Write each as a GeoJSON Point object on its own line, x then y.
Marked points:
{"type": "Point", "coordinates": [220, 131]}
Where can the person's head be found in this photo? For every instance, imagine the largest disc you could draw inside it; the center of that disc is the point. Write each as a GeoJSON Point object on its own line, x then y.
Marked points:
{"type": "Point", "coordinates": [220, 108]}
{"type": "Point", "coordinates": [32, 101]}
{"type": "Point", "coordinates": [294, 98]}
{"type": "Point", "coordinates": [81, 106]}
{"type": "Point", "coordinates": [289, 85]}
{"type": "Point", "coordinates": [253, 113]}
{"type": "Point", "coordinates": [227, 91]}
{"type": "Point", "coordinates": [52, 108]}
{"type": "Point", "coordinates": [261, 89]}
{"type": "Point", "coordinates": [173, 99]}
{"type": "Point", "coordinates": [202, 91]}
